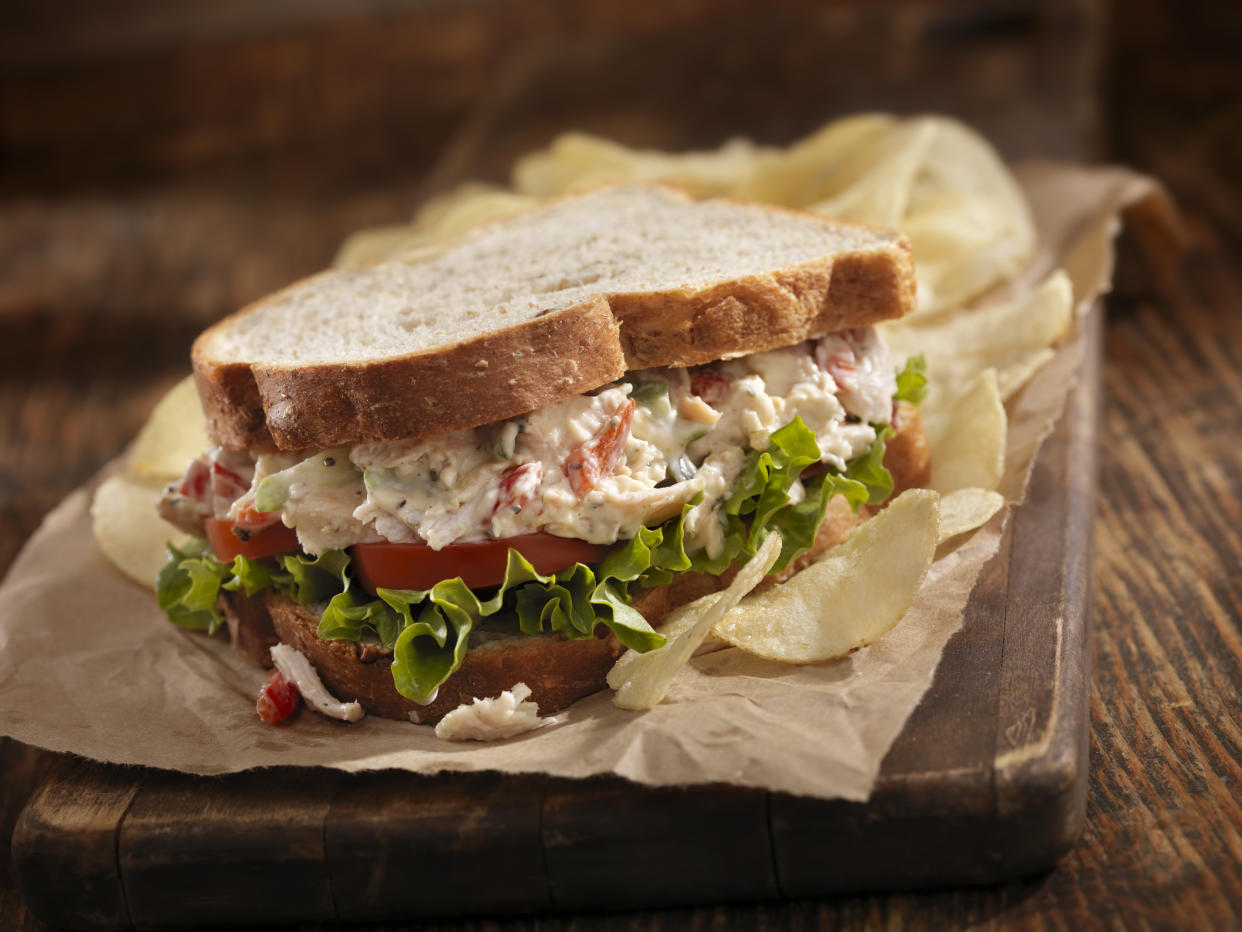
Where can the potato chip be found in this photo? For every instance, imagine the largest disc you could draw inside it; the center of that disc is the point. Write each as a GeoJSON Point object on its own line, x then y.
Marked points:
{"type": "Point", "coordinates": [962, 177]}
{"type": "Point", "coordinates": [882, 194]}
{"type": "Point", "coordinates": [441, 218]}
{"type": "Point", "coordinates": [1014, 376]}
{"type": "Point", "coordinates": [968, 439]}
{"type": "Point", "coordinates": [850, 597]}
{"type": "Point", "coordinates": [466, 208]}
{"type": "Point", "coordinates": [1013, 337]}
{"type": "Point", "coordinates": [822, 165]}
{"type": "Point", "coordinates": [967, 509]}
{"type": "Point", "coordinates": [129, 531]}
{"type": "Point", "coordinates": [641, 680]}
{"type": "Point", "coordinates": [935, 179]}
{"type": "Point", "coordinates": [577, 161]}
{"type": "Point", "coordinates": [375, 244]}
{"type": "Point", "coordinates": [433, 210]}
{"type": "Point", "coordinates": [174, 434]}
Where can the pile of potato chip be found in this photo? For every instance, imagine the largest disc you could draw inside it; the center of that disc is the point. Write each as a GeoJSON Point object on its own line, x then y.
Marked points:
{"type": "Point", "coordinates": [932, 178]}
{"type": "Point", "coordinates": [126, 525]}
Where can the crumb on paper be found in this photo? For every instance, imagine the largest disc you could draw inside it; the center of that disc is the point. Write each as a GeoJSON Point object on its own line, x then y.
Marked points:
{"type": "Point", "coordinates": [511, 713]}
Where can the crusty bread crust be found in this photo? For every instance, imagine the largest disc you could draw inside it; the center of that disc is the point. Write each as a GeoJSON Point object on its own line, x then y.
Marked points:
{"type": "Point", "coordinates": [907, 454]}
{"type": "Point", "coordinates": [538, 362]}
{"type": "Point", "coordinates": [529, 366]}
{"type": "Point", "coordinates": [250, 627]}
{"type": "Point", "coordinates": [558, 671]}
{"type": "Point", "coordinates": [760, 313]}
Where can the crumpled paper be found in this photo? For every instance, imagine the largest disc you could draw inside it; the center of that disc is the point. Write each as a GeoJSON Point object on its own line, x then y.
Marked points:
{"type": "Point", "coordinates": [89, 665]}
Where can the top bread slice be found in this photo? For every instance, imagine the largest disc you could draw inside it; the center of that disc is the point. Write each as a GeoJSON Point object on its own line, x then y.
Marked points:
{"type": "Point", "coordinates": [527, 311]}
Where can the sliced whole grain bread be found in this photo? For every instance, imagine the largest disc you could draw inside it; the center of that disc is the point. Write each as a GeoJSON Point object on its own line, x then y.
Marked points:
{"type": "Point", "coordinates": [558, 671]}
{"type": "Point", "coordinates": [527, 311]}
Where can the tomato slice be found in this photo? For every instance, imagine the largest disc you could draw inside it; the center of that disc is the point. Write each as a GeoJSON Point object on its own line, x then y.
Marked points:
{"type": "Point", "coordinates": [478, 562]}
{"type": "Point", "coordinates": [273, 539]}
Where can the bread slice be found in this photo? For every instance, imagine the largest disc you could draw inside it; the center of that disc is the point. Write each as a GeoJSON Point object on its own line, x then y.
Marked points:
{"type": "Point", "coordinates": [530, 310]}
{"type": "Point", "coordinates": [558, 671]}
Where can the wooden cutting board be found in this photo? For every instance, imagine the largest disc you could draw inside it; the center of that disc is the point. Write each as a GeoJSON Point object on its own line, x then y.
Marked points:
{"type": "Point", "coordinates": [986, 782]}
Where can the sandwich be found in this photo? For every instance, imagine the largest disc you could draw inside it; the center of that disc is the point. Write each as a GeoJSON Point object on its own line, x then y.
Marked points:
{"type": "Point", "coordinates": [503, 460]}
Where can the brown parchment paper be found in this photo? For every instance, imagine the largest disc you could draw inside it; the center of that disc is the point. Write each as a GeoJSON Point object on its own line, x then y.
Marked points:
{"type": "Point", "coordinates": [89, 665]}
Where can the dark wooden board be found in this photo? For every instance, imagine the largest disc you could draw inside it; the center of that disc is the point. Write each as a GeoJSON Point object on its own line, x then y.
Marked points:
{"type": "Point", "coordinates": [986, 782]}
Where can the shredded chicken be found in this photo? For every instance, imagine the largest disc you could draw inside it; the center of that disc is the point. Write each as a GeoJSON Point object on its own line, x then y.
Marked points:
{"type": "Point", "coordinates": [298, 670]}
{"type": "Point", "coordinates": [511, 713]}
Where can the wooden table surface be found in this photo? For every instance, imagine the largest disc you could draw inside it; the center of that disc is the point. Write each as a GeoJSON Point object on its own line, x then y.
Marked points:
{"type": "Point", "coordinates": [89, 339]}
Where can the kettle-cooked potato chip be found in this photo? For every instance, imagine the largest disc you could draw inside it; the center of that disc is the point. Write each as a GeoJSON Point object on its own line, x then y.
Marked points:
{"type": "Point", "coordinates": [968, 440]}
{"type": "Point", "coordinates": [882, 195]}
{"type": "Point", "coordinates": [1014, 337]}
{"type": "Point", "coordinates": [820, 166]}
{"type": "Point", "coordinates": [967, 509]}
{"type": "Point", "coordinates": [174, 434]}
{"type": "Point", "coordinates": [129, 531]}
{"type": "Point", "coordinates": [641, 680]}
{"type": "Point", "coordinates": [375, 244]}
{"type": "Point", "coordinates": [850, 597]}
{"type": "Point", "coordinates": [578, 161]}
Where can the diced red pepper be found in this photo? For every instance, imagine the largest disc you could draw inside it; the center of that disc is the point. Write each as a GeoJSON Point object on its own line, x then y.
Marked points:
{"type": "Point", "coordinates": [598, 457]}
{"type": "Point", "coordinates": [709, 385]}
{"type": "Point", "coordinates": [196, 480]}
{"type": "Point", "coordinates": [842, 368]}
{"type": "Point", "coordinates": [518, 487]}
{"type": "Point", "coordinates": [225, 483]}
{"type": "Point", "coordinates": [278, 698]}
{"type": "Point", "coordinates": [249, 518]}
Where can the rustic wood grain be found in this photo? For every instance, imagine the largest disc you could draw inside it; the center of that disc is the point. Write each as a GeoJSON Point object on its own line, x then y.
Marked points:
{"type": "Point", "coordinates": [22, 768]}
{"type": "Point", "coordinates": [93, 800]}
{"type": "Point", "coordinates": [661, 843]}
{"type": "Point", "coordinates": [1162, 844]}
{"type": "Point", "coordinates": [381, 828]}
{"type": "Point", "coordinates": [229, 94]}
{"type": "Point", "coordinates": [234, 818]}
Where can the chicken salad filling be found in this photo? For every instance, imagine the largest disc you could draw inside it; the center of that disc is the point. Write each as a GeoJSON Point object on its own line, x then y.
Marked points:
{"type": "Point", "coordinates": [666, 472]}
{"type": "Point", "coordinates": [595, 467]}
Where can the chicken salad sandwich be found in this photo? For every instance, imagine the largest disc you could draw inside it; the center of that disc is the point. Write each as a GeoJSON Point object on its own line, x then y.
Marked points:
{"type": "Point", "coordinates": [504, 460]}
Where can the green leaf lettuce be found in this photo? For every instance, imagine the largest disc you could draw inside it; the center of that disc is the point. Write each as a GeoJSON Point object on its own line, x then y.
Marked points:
{"type": "Point", "coordinates": [428, 631]}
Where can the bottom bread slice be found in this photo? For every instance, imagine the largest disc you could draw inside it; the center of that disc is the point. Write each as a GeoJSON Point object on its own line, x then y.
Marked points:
{"type": "Point", "coordinates": [558, 671]}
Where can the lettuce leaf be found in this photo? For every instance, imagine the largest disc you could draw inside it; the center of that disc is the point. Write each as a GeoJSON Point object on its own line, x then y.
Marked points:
{"type": "Point", "coordinates": [188, 587]}
{"type": "Point", "coordinates": [912, 380]}
{"type": "Point", "coordinates": [428, 631]}
{"type": "Point", "coordinates": [760, 504]}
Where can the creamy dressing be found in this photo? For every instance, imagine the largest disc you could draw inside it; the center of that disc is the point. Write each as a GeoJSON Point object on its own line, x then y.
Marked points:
{"type": "Point", "coordinates": [594, 467]}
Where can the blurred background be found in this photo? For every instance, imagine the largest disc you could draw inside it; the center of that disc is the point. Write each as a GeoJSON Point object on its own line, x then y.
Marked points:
{"type": "Point", "coordinates": [191, 156]}
{"type": "Point", "coordinates": [184, 158]}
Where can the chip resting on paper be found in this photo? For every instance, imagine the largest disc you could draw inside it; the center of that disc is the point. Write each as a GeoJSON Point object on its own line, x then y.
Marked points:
{"type": "Point", "coordinates": [850, 597]}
